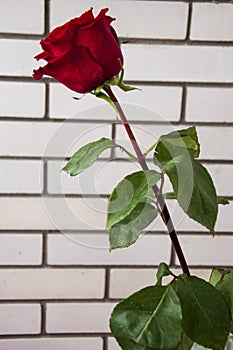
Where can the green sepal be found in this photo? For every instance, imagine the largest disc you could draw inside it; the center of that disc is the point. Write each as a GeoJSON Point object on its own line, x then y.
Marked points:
{"type": "Point", "coordinates": [123, 86]}
{"type": "Point", "coordinates": [105, 97]}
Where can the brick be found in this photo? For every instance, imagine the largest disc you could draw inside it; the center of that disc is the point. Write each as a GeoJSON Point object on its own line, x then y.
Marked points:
{"type": "Point", "coordinates": [212, 22]}
{"type": "Point", "coordinates": [201, 273]}
{"type": "Point", "coordinates": [222, 175]}
{"type": "Point", "coordinates": [50, 343]}
{"type": "Point", "coordinates": [78, 317]}
{"type": "Point", "coordinates": [92, 249]}
{"type": "Point", "coordinates": [112, 344]}
{"type": "Point", "coordinates": [20, 249]}
{"type": "Point", "coordinates": [18, 58]}
{"type": "Point", "coordinates": [11, 316]}
{"type": "Point", "coordinates": [48, 139]}
{"type": "Point", "coordinates": [147, 135]}
{"type": "Point", "coordinates": [209, 104]}
{"type": "Point", "coordinates": [14, 16]}
{"type": "Point", "coordinates": [21, 176]}
{"type": "Point", "coordinates": [124, 282]}
{"type": "Point", "coordinates": [178, 63]}
{"type": "Point", "coordinates": [206, 250]}
{"type": "Point", "coordinates": [210, 149]}
{"type": "Point", "coordinates": [164, 20]}
{"type": "Point", "coordinates": [51, 284]}
{"type": "Point", "coordinates": [22, 100]}
{"type": "Point", "coordinates": [100, 178]}
{"type": "Point", "coordinates": [63, 105]}
{"type": "Point", "coordinates": [152, 103]}
{"type": "Point", "coordinates": [52, 213]}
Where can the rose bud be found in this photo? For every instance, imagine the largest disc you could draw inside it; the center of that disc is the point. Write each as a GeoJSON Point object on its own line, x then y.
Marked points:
{"type": "Point", "coordinates": [83, 53]}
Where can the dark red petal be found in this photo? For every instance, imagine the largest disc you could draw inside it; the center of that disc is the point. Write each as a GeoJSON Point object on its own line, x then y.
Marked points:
{"type": "Point", "coordinates": [77, 70]}
{"type": "Point", "coordinates": [85, 19]}
{"type": "Point", "coordinates": [38, 73]}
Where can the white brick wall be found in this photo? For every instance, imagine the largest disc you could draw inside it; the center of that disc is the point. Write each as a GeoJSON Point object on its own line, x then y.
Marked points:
{"type": "Point", "coordinates": [50, 343]}
{"type": "Point", "coordinates": [58, 282]}
{"type": "Point", "coordinates": [15, 18]}
{"type": "Point", "coordinates": [212, 22]}
{"type": "Point", "coordinates": [78, 317]}
{"type": "Point", "coordinates": [20, 249]}
{"type": "Point", "coordinates": [24, 100]}
{"type": "Point", "coordinates": [12, 315]}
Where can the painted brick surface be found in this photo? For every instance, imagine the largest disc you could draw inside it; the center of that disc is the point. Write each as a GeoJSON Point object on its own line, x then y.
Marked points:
{"type": "Point", "coordinates": [21, 176]}
{"type": "Point", "coordinates": [52, 284]}
{"type": "Point", "coordinates": [209, 105]}
{"type": "Point", "coordinates": [153, 103]}
{"type": "Point", "coordinates": [12, 315]}
{"type": "Point", "coordinates": [18, 56]}
{"type": "Point", "coordinates": [24, 100]}
{"type": "Point", "coordinates": [20, 249]}
{"type": "Point", "coordinates": [49, 139]}
{"type": "Point", "coordinates": [164, 19]}
{"type": "Point", "coordinates": [14, 16]}
{"type": "Point", "coordinates": [50, 343]}
{"type": "Point", "coordinates": [178, 63]}
{"type": "Point", "coordinates": [58, 281]}
{"type": "Point", "coordinates": [78, 317]}
{"type": "Point", "coordinates": [92, 249]}
{"type": "Point", "coordinates": [212, 22]}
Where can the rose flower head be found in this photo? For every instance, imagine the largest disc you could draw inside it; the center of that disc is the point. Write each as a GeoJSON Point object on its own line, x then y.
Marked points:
{"type": "Point", "coordinates": [83, 53]}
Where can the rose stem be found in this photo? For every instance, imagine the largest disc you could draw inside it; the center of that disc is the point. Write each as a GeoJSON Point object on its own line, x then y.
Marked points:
{"type": "Point", "coordinates": [141, 160]}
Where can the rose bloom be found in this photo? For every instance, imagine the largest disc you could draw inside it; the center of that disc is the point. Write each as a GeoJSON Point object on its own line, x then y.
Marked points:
{"type": "Point", "coordinates": [83, 53]}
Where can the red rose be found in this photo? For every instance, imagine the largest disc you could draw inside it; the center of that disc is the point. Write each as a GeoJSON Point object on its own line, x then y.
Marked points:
{"type": "Point", "coordinates": [83, 53]}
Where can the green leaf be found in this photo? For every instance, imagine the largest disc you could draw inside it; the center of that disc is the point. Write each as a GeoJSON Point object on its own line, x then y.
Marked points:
{"type": "Point", "coordinates": [163, 270]}
{"type": "Point", "coordinates": [128, 194]}
{"type": "Point", "coordinates": [223, 201]}
{"type": "Point", "coordinates": [178, 142]}
{"type": "Point", "coordinates": [169, 195]}
{"type": "Point", "coordinates": [86, 156]}
{"type": "Point", "coordinates": [216, 275]}
{"type": "Point", "coordinates": [127, 231]}
{"type": "Point", "coordinates": [186, 343]}
{"type": "Point", "coordinates": [225, 286]}
{"type": "Point", "coordinates": [148, 320]}
{"type": "Point", "coordinates": [191, 182]}
{"type": "Point", "coordinates": [206, 317]}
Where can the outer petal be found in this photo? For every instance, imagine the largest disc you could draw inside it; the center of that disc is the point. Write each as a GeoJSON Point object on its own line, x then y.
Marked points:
{"type": "Point", "coordinates": [101, 41]}
{"type": "Point", "coordinates": [77, 70]}
{"type": "Point", "coordinates": [59, 40]}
